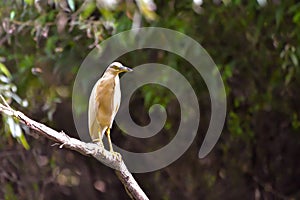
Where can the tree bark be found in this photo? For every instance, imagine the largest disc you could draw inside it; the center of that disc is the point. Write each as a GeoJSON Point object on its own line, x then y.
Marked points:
{"type": "Point", "coordinates": [104, 156]}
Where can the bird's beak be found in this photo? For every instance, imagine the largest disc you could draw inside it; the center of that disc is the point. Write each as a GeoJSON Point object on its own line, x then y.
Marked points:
{"type": "Point", "coordinates": [126, 69]}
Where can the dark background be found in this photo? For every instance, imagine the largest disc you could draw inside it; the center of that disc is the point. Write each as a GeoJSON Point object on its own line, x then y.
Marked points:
{"type": "Point", "coordinates": [256, 48]}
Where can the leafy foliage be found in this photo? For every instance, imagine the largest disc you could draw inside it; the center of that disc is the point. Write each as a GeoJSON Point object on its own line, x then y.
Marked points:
{"type": "Point", "coordinates": [255, 45]}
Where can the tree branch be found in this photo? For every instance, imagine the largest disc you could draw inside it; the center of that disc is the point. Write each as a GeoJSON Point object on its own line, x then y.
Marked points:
{"type": "Point", "coordinates": [104, 156]}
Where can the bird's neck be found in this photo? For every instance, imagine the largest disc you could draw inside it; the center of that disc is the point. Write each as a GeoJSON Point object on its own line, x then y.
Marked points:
{"type": "Point", "coordinates": [110, 75]}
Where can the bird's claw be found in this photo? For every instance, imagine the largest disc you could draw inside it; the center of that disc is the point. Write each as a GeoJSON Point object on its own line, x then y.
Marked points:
{"type": "Point", "coordinates": [116, 155]}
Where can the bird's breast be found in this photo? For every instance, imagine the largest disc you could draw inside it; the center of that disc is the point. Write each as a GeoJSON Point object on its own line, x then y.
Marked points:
{"type": "Point", "coordinates": [117, 96]}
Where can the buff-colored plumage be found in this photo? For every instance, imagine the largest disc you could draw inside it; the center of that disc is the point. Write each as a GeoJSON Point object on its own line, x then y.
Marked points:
{"type": "Point", "coordinates": [104, 102]}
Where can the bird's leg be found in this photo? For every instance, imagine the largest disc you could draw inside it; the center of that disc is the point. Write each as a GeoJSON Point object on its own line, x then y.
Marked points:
{"type": "Point", "coordinates": [110, 145]}
{"type": "Point", "coordinates": [109, 140]}
{"type": "Point", "coordinates": [99, 139]}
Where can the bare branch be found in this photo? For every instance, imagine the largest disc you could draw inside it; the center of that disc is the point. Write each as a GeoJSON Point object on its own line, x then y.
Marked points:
{"type": "Point", "coordinates": [104, 156]}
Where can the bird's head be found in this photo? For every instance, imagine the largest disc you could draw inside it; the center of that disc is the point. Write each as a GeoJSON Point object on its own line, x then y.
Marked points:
{"type": "Point", "coordinates": [117, 67]}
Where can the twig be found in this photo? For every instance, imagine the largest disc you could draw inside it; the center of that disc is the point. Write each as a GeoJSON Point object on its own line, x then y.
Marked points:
{"type": "Point", "coordinates": [6, 104]}
{"type": "Point", "coordinates": [92, 149]}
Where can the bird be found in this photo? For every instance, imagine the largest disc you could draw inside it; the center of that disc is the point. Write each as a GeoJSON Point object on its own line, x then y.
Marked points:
{"type": "Point", "coordinates": [104, 103]}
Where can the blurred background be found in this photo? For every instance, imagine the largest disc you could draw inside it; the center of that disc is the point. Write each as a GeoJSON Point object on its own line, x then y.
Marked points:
{"type": "Point", "coordinates": [256, 46]}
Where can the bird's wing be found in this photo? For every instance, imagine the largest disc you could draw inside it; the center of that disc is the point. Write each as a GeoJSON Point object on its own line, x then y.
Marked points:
{"type": "Point", "coordinates": [101, 105]}
{"type": "Point", "coordinates": [93, 109]}
{"type": "Point", "coordinates": [104, 95]}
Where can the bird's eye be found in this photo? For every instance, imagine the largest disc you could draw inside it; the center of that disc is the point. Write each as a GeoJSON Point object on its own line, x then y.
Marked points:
{"type": "Point", "coordinates": [116, 67]}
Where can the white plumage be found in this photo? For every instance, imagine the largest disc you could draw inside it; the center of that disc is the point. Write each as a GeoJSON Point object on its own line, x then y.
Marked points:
{"type": "Point", "coordinates": [104, 102]}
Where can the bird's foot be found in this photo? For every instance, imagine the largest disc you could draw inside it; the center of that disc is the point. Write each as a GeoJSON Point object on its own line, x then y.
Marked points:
{"type": "Point", "coordinates": [116, 155]}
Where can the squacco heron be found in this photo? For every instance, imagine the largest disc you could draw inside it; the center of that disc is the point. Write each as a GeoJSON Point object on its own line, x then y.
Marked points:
{"type": "Point", "coordinates": [104, 103]}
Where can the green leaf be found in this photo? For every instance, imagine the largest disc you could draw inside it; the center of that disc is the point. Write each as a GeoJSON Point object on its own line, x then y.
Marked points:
{"type": "Point", "coordinates": [24, 142]}
{"type": "Point", "coordinates": [294, 8]}
{"type": "Point", "coordinates": [296, 18]}
{"type": "Point", "coordinates": [71, 4]}
{"type": "Point", "coordinates": [146, 8]}
{"type": "Point", "coordinates": [12, 14]}
{"type": "Point", "coordinates": [17, 132]}
{"type": "Point", "coordinates": [289, 76]}
{"type": "Point", "coordinates": [235, 124]}
{"type": "Point", "coordinates": [294, 59]}
{"type": "Point", "coordinates": [14, 128]}
{"type": "Point", "coordinates": [295, 122]}
{"type": "Point", "coordinates": [9, 192]}
{"type": "Point", "coordinates": [88, 10]}
{"type": "Point", "coordinates": [279, 16]}
{"type": "Point", "coordinates": [226, 2]}
{"type": "Point", "coordinates": [30, 2]}
{"type": "Point", "coordinates": [5, 70]}
{"type": "Point", "coordinates": [107, 14]}
{"type": "Point", "coordinates": [148, 98]}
